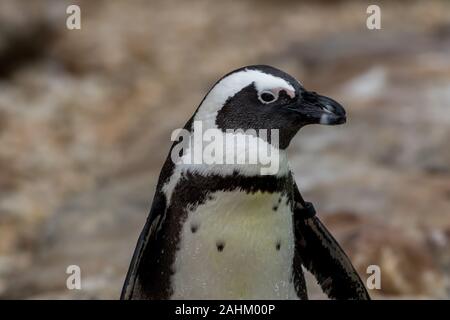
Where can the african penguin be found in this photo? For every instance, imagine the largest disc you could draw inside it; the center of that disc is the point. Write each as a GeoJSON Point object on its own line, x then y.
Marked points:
{"type": "Point", "coordinates": [229, 230]}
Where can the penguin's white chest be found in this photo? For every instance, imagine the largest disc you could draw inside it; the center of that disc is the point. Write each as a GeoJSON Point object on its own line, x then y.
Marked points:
{"type": "Point", "coordinates": [236, 246]}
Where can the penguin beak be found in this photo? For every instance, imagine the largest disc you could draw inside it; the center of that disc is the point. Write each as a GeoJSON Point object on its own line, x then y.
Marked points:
{"type": "Point", "coordinates": [316, 109]}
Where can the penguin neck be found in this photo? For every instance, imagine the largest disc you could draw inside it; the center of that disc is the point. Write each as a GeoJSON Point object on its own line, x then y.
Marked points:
{"type": "Point", "coordinates": [227, 153]}
{"type": "Point", "coordinates": [273, 165]}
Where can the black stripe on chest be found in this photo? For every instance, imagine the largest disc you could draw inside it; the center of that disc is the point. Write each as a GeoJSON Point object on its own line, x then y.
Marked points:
{"type": "Point", "coordinates": [193, 189]}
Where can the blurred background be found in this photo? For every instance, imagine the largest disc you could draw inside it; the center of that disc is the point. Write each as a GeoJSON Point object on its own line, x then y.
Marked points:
{"type": "Point", "coordinates": [86, 117]}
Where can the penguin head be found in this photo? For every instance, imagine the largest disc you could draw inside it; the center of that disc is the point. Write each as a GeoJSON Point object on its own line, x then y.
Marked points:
{"type": "Point", "coordinates": [263, 97]}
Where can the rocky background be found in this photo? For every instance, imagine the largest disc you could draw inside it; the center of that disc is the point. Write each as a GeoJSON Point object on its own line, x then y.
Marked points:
{"type": "Point", "coordinates": [86, 117]}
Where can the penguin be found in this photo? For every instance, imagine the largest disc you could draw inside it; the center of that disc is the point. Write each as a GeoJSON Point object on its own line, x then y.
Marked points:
{"type": "Point", "coordinates": [230, 230]}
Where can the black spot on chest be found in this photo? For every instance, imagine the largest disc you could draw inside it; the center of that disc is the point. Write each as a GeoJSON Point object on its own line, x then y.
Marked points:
{"type": "Point", "coordinates": [220, 246]}
{"type": "Point", "coordinates": [194, 228]}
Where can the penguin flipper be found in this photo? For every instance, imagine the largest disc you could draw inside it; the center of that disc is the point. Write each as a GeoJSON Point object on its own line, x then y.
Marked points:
{"type": "Point", "coordinates": [132, 288]}
{"type": "Point", "coordinates": [321, 255]}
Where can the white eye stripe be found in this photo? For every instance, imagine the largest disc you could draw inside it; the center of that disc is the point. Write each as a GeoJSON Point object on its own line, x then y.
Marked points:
{"type": "Point", "coordinates": [232, 84]}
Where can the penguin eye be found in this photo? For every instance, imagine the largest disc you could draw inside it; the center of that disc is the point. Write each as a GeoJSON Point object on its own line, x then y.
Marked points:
{"type": "Point", "coordinates": [267, 97]}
